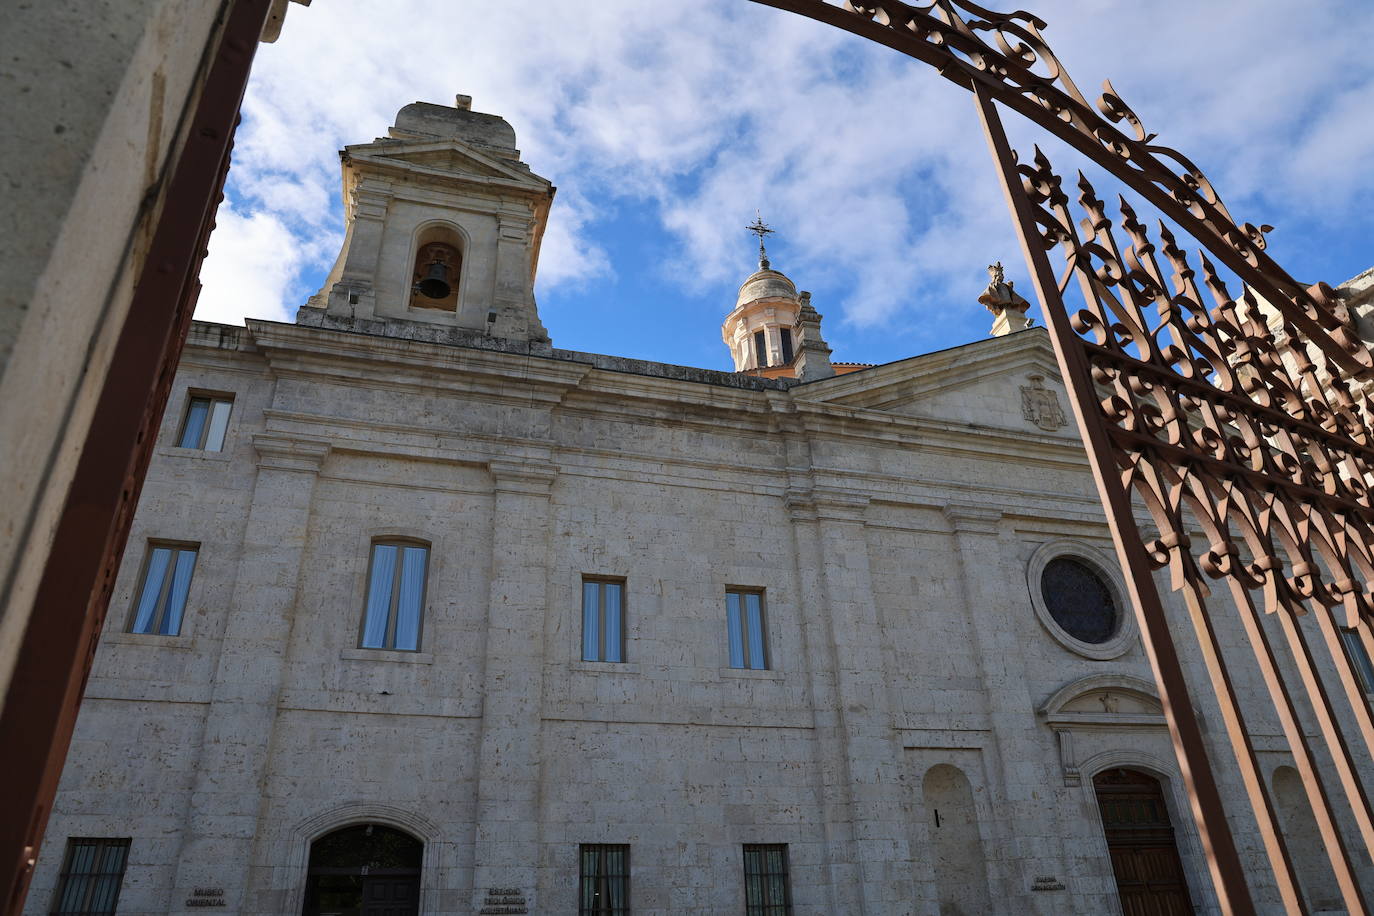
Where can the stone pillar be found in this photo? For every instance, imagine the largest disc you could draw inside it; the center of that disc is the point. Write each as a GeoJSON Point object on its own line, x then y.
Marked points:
{"type": "Point", "coordinates": [1022, 790]}
{"type": "Point", "coordinates": [351, 284]}
{"type": "Point", "coordinates": [506, 835]}
{"type": "Point", "coordinates": [231, 773]}
{"type": "Point", "coordinates": [871, 765]}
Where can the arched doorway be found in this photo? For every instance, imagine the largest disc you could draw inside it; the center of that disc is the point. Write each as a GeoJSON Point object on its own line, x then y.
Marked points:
{"type": "Point", "coordinates": [364, 870]}
{"type": "Point", "coordinates": [1140, 840]}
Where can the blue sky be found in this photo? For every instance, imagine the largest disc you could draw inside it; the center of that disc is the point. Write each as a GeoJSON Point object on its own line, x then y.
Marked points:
{"type": "Point", "coordinates": [666, 123]}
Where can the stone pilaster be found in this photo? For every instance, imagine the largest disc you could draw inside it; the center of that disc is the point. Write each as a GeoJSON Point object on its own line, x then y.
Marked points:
{"type": "Point", "coordinates": [513, 300]}
{"type": "Point", "coordinates": [1026, 829]}
{"type": "Point", "coordinates": [872, 866]}
{"type": "Point", "coordinates": [352, 293]}
{"type": "Point", "coordinates": [506, 835]}
{"type": "Point", "coordinates": [225, 804]}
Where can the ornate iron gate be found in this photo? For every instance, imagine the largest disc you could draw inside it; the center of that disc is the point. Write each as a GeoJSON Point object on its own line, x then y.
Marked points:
{"type": "Point", "coordinates": [1235, 414]}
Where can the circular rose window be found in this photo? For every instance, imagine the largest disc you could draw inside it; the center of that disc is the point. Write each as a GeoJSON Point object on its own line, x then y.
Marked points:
{"type": "Point", "coordinates": [1078, 599]}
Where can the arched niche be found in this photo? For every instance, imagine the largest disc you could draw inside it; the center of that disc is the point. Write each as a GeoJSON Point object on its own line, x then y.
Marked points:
{"type": "Point", "coordinates": [957, 848]}
{"type": "Point", "coordinates": [437, 268]}
{"type": "Point", "coordinates": [1304, 842]}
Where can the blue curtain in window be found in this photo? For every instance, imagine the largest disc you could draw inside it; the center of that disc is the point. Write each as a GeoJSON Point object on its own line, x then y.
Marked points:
{"type": "Point", "coordinates": [111, 867]}
{"type": "Point", "coordinates": [181, 584]}
{"type": "Point", "coordinates": [591, 622]}
{"type": "Point", "coordinates": [379, 596]}
{"type": "Point", "coordinates": [615, 867]}
{"type": "Point", "coordinates": [79, 870]}
{"type": "Point", "coordinates": [219, 424]}
{"type": "Point", "coordinates": [734, 626]}
{"type": "Point", "coordinates": [152, 588]}
{"type": "Point", "coordinates": [412, 594]}
{"type": "Point", "coordinates": [755, 616]}
{"type": "Point", "coordinates": [613, 636]}
{"type": "Point", "coordinates": [195, 422]}
{"type": "Point", "coordinates": [590, 871]}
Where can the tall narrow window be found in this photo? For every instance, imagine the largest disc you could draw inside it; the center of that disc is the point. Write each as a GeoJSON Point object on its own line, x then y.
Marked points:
{"type": "Point", "coordinates": [603, 620]}
{"type": "Point", "coordinates": [91, 875]}
{"type": "Point", "coordinates": [604, 889]}
{"type": "Point", "coordinates": [766, 891]}
{"type": "Point", "coordinates": [395, 595]}
{"type": "Point", "coordinates": [1359, 659]}
{"type": "Point", "coordinates": [785, 336]}
{"type": "Point", "coordinates": [760, 349]}
{"type": "Point", "coordinates": [162, 596]}
{"type": "Point", "coordinates": [207, 419]}
{"type": "Point", "coordinates": [744, 625]}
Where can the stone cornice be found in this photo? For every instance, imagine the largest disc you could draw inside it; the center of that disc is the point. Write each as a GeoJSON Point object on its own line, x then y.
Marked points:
{"type": "Point", "coordinates": [285, 453]}
{"type": "Point", "coordinates": [528, 478]}
{"type": "Point", "coordinates": [827, 504]}
{"type": "Point", "coordinates": [970, 519]}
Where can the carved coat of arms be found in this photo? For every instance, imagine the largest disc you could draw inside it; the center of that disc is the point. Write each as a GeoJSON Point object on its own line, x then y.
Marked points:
{"type": "Point", "coordinates": [1040, 405]}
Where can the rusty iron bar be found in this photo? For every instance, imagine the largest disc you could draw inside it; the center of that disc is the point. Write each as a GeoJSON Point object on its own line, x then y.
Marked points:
{"type": "Point", "coordinates": [58, 646]}
{"type": "Point", "coordinates": [1223, 859]}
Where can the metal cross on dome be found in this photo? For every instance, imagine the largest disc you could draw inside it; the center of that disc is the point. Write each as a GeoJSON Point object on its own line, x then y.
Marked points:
{"type": "Point", "coordinates": [760, 228]}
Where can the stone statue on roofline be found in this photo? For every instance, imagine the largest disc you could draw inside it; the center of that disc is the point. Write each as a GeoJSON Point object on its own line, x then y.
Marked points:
{"type": "Point", "coordinates": [1000, 298]}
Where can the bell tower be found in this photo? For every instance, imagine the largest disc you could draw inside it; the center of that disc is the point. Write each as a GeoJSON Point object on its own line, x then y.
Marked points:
{"type": "Point", "coordinates": [443, 226]}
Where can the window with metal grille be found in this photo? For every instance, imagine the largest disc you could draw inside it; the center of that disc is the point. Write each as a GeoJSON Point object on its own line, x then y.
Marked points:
{"type": "Point", "coordinates": [91, 874]}
{"type": "Point", "coordinates": [395, 595]}
{"type": "Point", "coordinates": [745, 628]}
{"type": "Point", "coordinates": [766, 890]}
{"type": "Point", "coordinates": [603, 619]}
{"type": "Point", "coordinates": [207, 420]}
{"type": "Point", "coordinates": [604, 889]}
{"type": "Point", "coordinates": [1359, 659]}
{"type": "Point", "coordinates": [166, 581]}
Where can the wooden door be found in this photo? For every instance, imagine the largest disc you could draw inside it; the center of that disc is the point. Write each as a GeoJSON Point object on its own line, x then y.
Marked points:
{"type": "Point", "coordinates": [1140, 840]}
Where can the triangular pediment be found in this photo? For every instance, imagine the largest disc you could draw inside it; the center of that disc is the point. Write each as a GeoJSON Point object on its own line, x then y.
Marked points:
{"type": "Point", "coordinates": [1009, 383]}
{"type": "Point", "coordinates": [446, 158]}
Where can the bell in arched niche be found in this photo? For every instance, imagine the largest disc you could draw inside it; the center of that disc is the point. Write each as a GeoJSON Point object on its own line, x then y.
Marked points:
{"type": "Point", "coordinates": [438, 268]}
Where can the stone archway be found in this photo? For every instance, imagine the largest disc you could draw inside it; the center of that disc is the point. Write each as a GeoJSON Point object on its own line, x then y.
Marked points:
{"type": "Point", "coordinates": [364, 870]}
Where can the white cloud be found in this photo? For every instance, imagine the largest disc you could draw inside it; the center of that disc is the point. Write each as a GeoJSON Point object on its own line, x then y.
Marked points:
{"type": "Point", "coordinates": [253, 262]}
{"type": "Point", "coordinates": [870, 164]}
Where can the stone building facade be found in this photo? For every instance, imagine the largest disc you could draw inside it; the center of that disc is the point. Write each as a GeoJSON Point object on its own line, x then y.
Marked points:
{"type": "Point", "coordinates": [823, 634]}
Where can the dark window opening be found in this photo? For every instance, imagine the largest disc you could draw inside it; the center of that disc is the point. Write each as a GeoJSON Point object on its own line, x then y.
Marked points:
{"type": "Point", "coordinates": [92, 872]}
{"type": "Point", "coordinates": [786, 336]}
{"type": "Point", "coordinates": [766, 890]}
{"type": "Point", "coordinates": [604, 887]}
{"type": "Point", "coordinates": [366, 870]}
{"type": "Point", "coordinates": [1079, 600]}
{"type": "Point", "coordinates": [760, 349]}
{"type": "Point", "coordinates": [1359, 659]}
